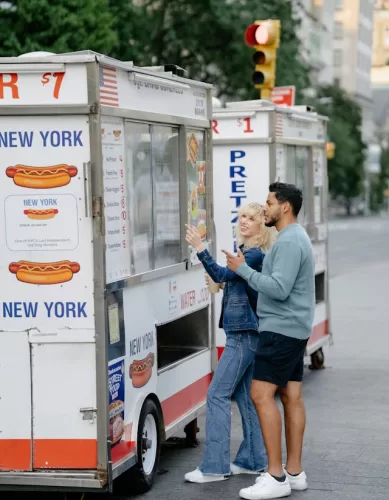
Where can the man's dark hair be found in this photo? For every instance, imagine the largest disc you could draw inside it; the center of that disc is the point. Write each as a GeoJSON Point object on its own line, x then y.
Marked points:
{"type": "Point", "coordinates": [288, 193]}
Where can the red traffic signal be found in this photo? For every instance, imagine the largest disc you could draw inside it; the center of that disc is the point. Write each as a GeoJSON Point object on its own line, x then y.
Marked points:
{"type": "Point", "coordinates": [263, 33]}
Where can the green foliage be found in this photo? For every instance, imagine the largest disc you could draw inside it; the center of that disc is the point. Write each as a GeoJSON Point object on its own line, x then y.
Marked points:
{"type": "Point", "coordinates": [380, 182]}
{"type": "Point", "coordinates": [346, 169]}
{"type": "Point", "coordinates": [58, 26]}
{"type": "Point", "coordinates": [205, 37]}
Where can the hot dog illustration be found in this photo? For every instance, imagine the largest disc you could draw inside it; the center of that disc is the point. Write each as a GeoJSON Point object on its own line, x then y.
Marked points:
{"type": "Point", "coordinates": [50, 213]}
{"type": "Point", "coordinates": [41, 177]}
{"type": "Point", "coordinates": [38, 273]}
{"type": "Point", "coordinates": [141, 371]}
{"type": "Point", "coordinates": [116, 422]}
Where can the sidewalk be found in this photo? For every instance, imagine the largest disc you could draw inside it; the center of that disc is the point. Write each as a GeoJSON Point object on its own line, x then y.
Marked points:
{"type": "Point", "coordinates": [346, 453]}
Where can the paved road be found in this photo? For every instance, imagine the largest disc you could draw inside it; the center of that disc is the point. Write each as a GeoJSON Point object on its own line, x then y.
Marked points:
{"type": "Point", "coordinates": [346, 453]}
{"type": "Point", "coordinates": [356, 243]}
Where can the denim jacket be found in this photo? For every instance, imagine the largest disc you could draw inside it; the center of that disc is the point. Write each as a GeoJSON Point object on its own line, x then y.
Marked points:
{"type": "Point", "coordinates": [239, 299]}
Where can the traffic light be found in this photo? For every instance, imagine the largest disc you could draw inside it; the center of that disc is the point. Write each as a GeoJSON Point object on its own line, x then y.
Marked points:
{"type": "Point", "coordinates": [264, 36]}
{"type": "Point", "coordinates": [330, 150]}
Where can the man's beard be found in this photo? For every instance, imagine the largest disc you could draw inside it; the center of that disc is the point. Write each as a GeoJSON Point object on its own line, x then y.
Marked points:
{"type": "Point", "coordinates": [273, 221]}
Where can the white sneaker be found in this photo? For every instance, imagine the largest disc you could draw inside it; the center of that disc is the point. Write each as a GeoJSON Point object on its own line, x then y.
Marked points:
{"type": "Point", "coordinates": [196, 476]}
{"type": "Point", "coordinates": [235, 470]}
{"type": "Point", "coordinates": [298, 483]}
{"type": "Point", "coordinates": [266, 487]}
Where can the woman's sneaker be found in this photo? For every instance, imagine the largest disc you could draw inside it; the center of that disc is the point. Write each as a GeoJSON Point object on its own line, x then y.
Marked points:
{"type": "Point", "coordinates": [298, 483]}
{"type": "Point", "coordinates": [196, 476]}
{"type": "Point", "coordinates": [266, 487]}
{"type": "Point", "coordinates": [235, 470]}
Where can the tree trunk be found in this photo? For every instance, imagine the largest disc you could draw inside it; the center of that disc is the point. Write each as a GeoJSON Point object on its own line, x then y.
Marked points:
{"type": "Point", "coordinates": [348, 207]}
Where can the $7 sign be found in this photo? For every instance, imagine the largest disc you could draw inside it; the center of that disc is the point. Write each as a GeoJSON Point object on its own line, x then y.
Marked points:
{"type": "Point", "coordinates": [58, 77]}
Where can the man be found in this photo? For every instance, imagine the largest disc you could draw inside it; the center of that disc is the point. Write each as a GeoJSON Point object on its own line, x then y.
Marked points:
{"type": "Point", "coordinates": [286, 303]}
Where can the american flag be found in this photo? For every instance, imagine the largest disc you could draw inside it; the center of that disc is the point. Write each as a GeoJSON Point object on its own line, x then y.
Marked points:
{"type": "Point", "coordinates": [279, 124]}
{"type": "Point", "coordinates": [108, 87]}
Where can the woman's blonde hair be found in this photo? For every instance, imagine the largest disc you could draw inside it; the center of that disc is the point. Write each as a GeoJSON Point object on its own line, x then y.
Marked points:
{"type": "Point", "coordinates": [265, 237]}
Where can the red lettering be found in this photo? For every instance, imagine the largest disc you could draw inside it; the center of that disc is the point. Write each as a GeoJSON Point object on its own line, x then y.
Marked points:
{"type": "Point", "coordinates": [188, 299]}
{"type": "Point", "coordinates": [214, 126]}
{"type": "Point", "coordinates": [58, 82]}
{"type": "Point", "coordinates": [10, 84]}
{"type": "Point", "coordinates": [248, 129]}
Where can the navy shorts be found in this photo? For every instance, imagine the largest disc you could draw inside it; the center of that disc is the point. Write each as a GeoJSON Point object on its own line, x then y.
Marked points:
{"type": "Point", "coordinates": [279, 359]}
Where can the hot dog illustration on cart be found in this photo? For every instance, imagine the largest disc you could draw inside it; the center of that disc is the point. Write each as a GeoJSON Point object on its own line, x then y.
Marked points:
{"type": "Point", "coordinates": [141, 371]}
{"type": "Point", "coordinates": [36, 214]}
{"type": "Point", "coordinates": [49, 273]}
{"type": "Point", "coordinates": [49, 177]}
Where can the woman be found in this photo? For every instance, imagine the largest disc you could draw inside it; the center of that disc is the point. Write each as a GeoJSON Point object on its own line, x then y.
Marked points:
{"type": "Point", "coordinates": [234, 371]}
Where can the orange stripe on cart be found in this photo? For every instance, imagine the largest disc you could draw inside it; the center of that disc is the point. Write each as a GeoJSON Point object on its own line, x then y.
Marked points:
{"type": "Point", "coordinates": [185, 400]}
{"type": "Point", "coordinates": [319, 331]}
{"type": "Point", "coordinates": [65, 454]}
{"type": "Point", "coordinates": [15, 454]}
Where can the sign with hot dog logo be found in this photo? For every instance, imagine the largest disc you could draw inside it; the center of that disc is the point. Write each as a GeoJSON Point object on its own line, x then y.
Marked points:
{"type": "Point", "coordinates": [47, 253]}
{"type": "Point", "coordinates": [44, 273]}
{"type": "Point", "coordinates": [116, 389]}
{"type": "Point", "coordinates": [142, 359]}
{"type": "Point", "coordinates": [141, 370]}
{"type": "Point", "coordinates": [41, 177]}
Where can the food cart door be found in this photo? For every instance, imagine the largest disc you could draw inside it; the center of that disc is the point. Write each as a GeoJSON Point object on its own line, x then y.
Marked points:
{"type": "Point", "coordinates": [15, 402]}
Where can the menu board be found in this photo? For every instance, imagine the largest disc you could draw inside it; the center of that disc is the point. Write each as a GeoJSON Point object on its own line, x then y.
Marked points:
{"type": "Point", "coordinates": [196, 182]}
{"type": "Point", "coordinates": [117, 250]}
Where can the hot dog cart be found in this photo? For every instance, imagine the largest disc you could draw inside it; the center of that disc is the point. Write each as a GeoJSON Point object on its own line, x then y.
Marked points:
{"type": "Point", "coordinates": [106, 332]}
{"type": "Point", "coordinates": [256, 143]}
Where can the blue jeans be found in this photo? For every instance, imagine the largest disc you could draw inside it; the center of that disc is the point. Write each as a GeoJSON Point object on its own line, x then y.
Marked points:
{"type": "Point", "coordinates": [233, 376]}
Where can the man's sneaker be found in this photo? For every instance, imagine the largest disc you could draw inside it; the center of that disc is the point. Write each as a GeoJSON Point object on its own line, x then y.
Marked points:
{"type": "Point", "coordinates": [196, 476]}
{"type": "Point", "coordinates": [265, 488]}
{"type": "Point", "coordinates": [235, 470]}
{"type": "Point", "coordinates": [298, 483]}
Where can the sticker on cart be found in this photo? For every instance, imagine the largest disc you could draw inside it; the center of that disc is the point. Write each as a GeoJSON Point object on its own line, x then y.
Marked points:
{"type": "Point", "coordinates": [44, 273]}
{"type": "Point", "coordinates": [141, 371]}
{"type": "Point", "coordinates": [193, 149]}
{"type": "Point", "coordinates": [41, 222]}
{"type": "Point", "coordinates": [38, 177]}
{"type": "Point", "coordinates": [117, 251]}
{"type": "Point", "coordinates": [141, 351]}
{"type": "Point", "coordinates": [116, 371]}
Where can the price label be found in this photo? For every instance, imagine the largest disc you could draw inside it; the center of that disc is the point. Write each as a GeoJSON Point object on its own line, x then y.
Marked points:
{"type": "Point", "coordinates": [53, 80]}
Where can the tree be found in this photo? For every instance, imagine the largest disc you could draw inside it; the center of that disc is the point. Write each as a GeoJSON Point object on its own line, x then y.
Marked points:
{"type": "Point", "coordinates": [380, 182]}
{"type": "Point", "coordinates": [207, 39]}
{"type": "Point", "coordinates": [58, 26]}
{"type": "Point", "coordinates": [346, 169]}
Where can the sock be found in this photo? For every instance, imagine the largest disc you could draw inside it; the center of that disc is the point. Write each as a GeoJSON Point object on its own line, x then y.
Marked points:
{"type": "Point", "coordinates": [294, 475]}
{"type": "Point", "coordinates": [280, 479]}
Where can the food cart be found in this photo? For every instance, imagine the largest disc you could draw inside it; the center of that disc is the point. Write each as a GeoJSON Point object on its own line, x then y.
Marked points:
{"type": "Point", "coordinates": [256, 143]}
{"type": "Point", "coordinates": [106, 332]}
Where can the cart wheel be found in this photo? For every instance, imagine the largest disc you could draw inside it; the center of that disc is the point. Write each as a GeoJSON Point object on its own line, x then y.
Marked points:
{"type": "Point", "coordinates": [317, 360]}
{"type": "Point", "coordinates": [191, 431]}
{"type": "Point", "coordinates": [141, 477]}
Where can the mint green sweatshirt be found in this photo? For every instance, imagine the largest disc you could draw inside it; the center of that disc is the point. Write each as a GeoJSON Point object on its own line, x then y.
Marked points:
{"type": "Point", "coordinates": [286, 285]}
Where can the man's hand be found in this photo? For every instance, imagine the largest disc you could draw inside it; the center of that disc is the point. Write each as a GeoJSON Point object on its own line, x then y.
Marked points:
{"type": "Point", "coordinates": [234, 261]}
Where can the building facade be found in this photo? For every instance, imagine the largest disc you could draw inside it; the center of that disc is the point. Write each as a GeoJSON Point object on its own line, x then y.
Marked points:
{"type": "Point", "coordinates": [352, 55]}
{"type": "Point", "coordinates": [316, 35]}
